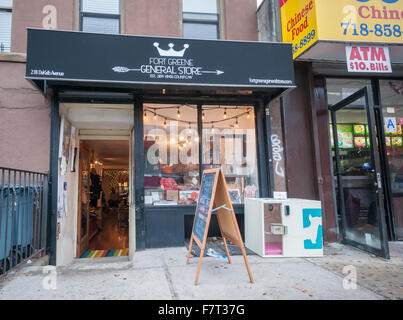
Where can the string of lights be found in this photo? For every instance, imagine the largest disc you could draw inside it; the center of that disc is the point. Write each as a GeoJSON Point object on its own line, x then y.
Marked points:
{"type": "Point", "coordinates": [155, 114]}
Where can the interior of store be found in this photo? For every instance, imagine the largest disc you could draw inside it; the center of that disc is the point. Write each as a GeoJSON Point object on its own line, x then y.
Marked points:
{"type": "Point", "coordinates": [96, 180]}
{"type": "Point", "coordinates": [105, 213]}
{"type": "Point", "coordinates": [172, 148]}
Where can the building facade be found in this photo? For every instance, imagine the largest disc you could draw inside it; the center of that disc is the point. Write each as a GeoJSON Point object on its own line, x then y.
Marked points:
{"type": "Point", "coordinates": [347, 111]}
{"type": "Point", "coordinates": [151, 18]}
{"type": "Point", "coordinates": [125, 149]}
{"type": "Point", "coordinates": [125, 144]}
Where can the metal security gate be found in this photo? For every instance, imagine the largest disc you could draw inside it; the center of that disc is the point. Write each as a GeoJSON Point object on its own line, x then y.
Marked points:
{"type": "Point", "coordinates": [23, 214]}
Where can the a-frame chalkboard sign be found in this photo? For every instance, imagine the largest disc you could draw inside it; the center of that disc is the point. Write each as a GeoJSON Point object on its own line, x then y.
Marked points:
{"type": "Point", "coordinates": [214, 197]}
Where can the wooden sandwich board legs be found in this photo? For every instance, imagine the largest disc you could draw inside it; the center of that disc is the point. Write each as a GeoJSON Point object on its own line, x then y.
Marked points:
{"type": "Point", "coordinates": [199, 266]}
{"type": "Point", "coordinates": [214, 193]}
{"type": "Point", "coordinates": [247, 265]}
{"type": "Point", "coordinates": [190, 249]}
{"type": "Point", "coordinates": [226, 250]}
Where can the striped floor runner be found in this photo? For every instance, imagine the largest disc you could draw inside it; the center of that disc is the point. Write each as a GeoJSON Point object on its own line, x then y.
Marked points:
{"type": "Point", "coordinates": [105, 253]}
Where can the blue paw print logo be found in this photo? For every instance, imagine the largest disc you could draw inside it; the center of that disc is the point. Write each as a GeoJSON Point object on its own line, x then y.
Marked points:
{"type": "Point", "coordinates": [312, 224]}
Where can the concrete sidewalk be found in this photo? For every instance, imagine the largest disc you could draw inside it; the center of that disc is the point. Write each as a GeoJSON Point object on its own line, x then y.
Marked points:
{"type": "Point", "coordinates": [163, 274]}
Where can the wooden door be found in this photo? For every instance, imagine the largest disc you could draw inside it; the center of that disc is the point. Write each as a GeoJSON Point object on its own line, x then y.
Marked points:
{"type": "Point", "coordinates": [83, 199]}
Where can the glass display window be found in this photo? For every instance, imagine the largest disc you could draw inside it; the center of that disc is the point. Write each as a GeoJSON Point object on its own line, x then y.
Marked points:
{"type": "Point", "coordinates": [171, 151]}
{"type": "Point", "coordinates": [229, 142]}
{"type": "Point", "coordinates": [392, 109]}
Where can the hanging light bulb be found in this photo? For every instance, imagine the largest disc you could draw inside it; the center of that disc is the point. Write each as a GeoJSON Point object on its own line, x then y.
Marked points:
{"type": "Point", "coordinates": [248, 114]}
{"type": "Point", "coordinates": [190, 129]}
{"type": "Point", "coordinates": [212, 128]}
{"type": "Point", "coordinates": [155, 115]}
{"type": "Point", "coordinates": [145, 115]}
{"type": "Point", "coordinates": [165, 123]}
{"type": "Point", "coordinates": [179, 113]}
{"type": "Point", "coordinates": [225, 113]}
{"type": "Point", "coordinates": [203, 116]}
{"type": "Point", "coordinates": [236, 123]}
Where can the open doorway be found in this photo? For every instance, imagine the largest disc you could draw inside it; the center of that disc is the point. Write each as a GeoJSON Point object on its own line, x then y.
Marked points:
{"type": "Point", "coordinates": [103, 199]}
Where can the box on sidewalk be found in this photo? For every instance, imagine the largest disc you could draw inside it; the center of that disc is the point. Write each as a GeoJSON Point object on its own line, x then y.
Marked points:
{"type": "Point", "coordinates": [284, 228]}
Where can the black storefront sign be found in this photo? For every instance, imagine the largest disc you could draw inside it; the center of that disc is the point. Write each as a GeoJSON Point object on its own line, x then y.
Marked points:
{"type": "Point", "coordinates": [77, 56]}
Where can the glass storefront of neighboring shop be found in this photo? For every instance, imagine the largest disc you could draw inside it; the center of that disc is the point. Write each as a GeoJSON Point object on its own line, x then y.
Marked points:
{"type": "Point", "coordinates": [355, 160]}
{"type": "Point", "coordinates": [352, 71]}
{"type": "Point", "coordinates": [391, 94]}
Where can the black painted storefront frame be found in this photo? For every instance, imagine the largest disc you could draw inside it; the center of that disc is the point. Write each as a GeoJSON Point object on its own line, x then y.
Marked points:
{"type": "Point", "coordinates": [167, 226]}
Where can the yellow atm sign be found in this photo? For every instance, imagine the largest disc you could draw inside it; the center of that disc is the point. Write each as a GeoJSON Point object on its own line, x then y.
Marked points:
{"type": "Point", "coordinates": [306, 21]}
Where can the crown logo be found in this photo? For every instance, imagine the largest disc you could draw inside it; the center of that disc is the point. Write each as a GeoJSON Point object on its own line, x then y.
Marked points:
{"type": "Point", "coordinates": [171, 52]}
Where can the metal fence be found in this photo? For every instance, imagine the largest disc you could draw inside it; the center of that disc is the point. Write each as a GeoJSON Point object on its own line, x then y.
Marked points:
{"type": "Point", "coordinates": [23, 215]}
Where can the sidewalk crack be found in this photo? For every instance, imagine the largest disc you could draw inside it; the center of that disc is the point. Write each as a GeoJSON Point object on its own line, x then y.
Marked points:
{"type": "Point", "coordinates": [168, 276]}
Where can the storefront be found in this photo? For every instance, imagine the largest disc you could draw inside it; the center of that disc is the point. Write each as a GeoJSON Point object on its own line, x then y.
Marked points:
{"type": "Point", "coordinates": [181, 105]}
{"type": "Point", "coordinates": [350, 55]}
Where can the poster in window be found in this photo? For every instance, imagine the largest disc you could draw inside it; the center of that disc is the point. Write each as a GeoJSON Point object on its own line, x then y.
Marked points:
{"type": "Point", "coordinates": [345, 136]}
{"type": "Point", "coordinates": [359, 142]}
{"type": "Point", "coordinates": [388, 142]}
{"type": "Point", "coordinates": [64, 138]}
{"type": "Point", "coordinates": [359, 129]}
{"type": "Point", "coordinates": [235, 195]}
{"type": "Point", "coordinates": [398, 131]}
{"type": "Point", "coordinates": [390, 125]}
{"type": "Point", "coordinates": [397, 141]}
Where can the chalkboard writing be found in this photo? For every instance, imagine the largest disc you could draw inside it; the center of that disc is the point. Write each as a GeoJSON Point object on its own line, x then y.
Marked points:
{"type": "Point", "coordinates": [203, 205]}
{"type": "Point", "coordinates": [214, 191]}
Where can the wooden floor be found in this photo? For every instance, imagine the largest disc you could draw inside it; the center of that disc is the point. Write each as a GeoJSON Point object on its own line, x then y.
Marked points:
{"type": "Point", "coordinates": [112, 236]}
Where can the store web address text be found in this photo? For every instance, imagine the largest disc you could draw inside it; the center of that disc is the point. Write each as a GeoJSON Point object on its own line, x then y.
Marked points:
{"type": "Point", "coordinates": [269, 81]}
